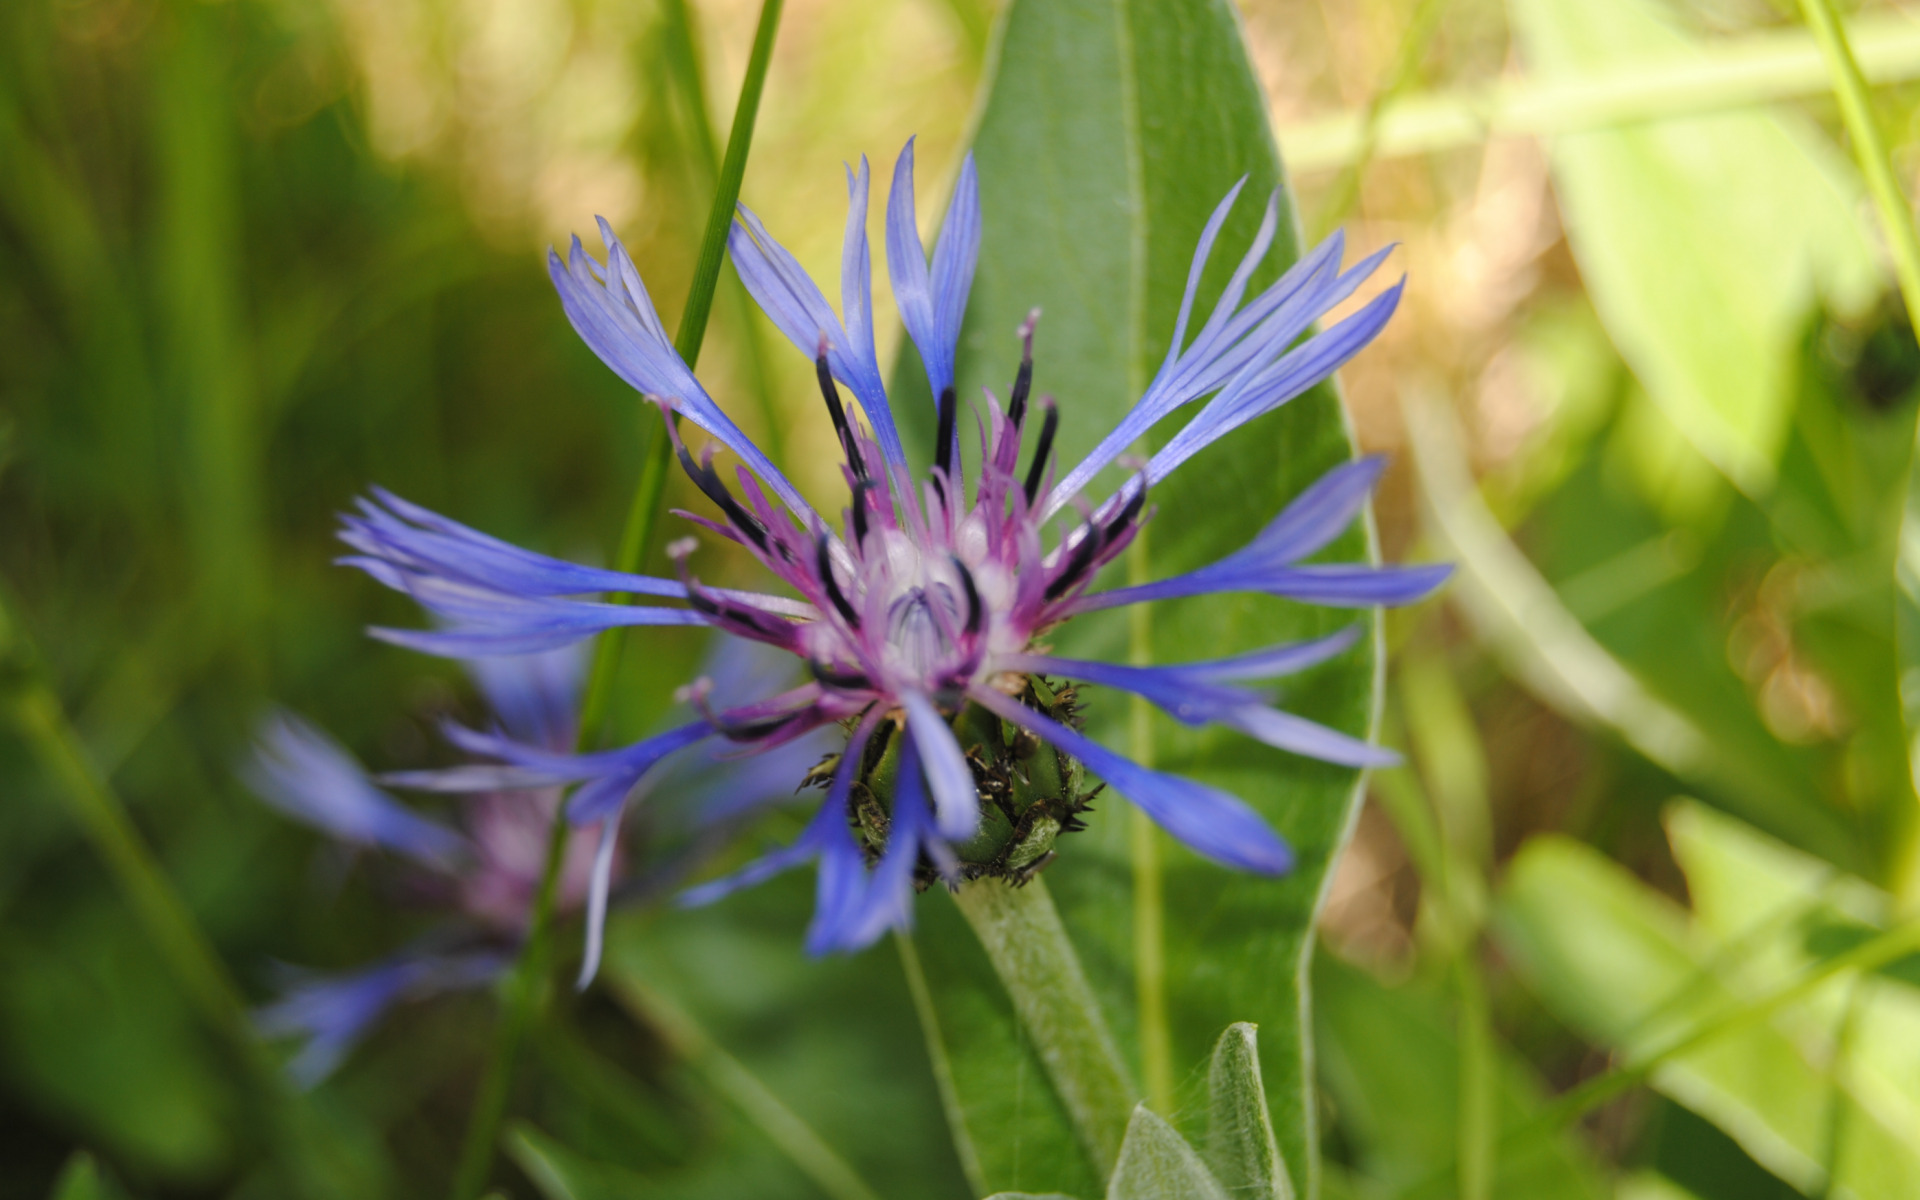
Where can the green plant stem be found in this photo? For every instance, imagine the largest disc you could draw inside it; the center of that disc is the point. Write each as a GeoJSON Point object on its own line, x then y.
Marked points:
{"type": "Point", "coordinates": [530, 975]}
{"type": "Point", "coordinates": [1869, 148]}
{"type": "Point", "coordinates": [1478, 1122]}
{"type": "Point", "coordinates": [1021, 932]}
{"type": "Point", "coordinates": [1726, 73]}
{"type": "Point", "coordinates": [956, 1112]}
{"type": "Point", "coordinates": [741, 1088]}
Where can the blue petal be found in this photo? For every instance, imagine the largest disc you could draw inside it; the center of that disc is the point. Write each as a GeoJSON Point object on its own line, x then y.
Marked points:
{"type": "Point", "coordinates": [932, 307]}
{"type": "Point", "coordinates": [487, 623]}
{"type": "Point", "coordinates": [334, 1012]}
{"type": "Point", "coordinates": [596, 918]}
{"type": "Point", "coordinates": [617, 320]}
{"type": "Point", "coordinates": [1291, 376]}
{"type": "Point", "coordinates": [887, 901]}
{"type": "Point", "coordinates": [1285, 731]}
{"type": "Point", "coordinates": [789, 297]}
{"type": "Point", "coordinates": [1233, 344]}
{"type": "Point", "coordinates": [1208, 820]}
{"type": "Point", "coordinates": [404, 534]}
{"type": "Point", "coordinates": [634, 761]}
{"type": "Point", "coordinates": [955, 797]}
{"type": "Point", "coordinates": [305, 774]}
{"type": "Point", "coordinates": [1193, 693]}
{"type": "Point", "coordinates": [536, 696]}
{"type": "Point", "coordinates": [1267, 563]}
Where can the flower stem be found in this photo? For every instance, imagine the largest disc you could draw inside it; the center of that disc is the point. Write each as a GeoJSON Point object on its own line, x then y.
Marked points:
{"type": "Point", "coordinates": [1028, 946]}
{"type": "Point", "coordinates": [530, 975]}
{"type": "Point", "coordinates": [1869, 149]}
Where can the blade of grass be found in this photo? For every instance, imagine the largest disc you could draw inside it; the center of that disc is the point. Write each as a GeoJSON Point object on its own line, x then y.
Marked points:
{"type": "Point", "coordinates": [923, 1007]}
{"type": "Point", "coordinates": [37, 713]}
{"type": "Point", "coordinates": [1869, 148]}
{"type": "Point", "coordinates": [740, 1087]}
{"type": "Point", "coordinates": [1903, 242]}
{"type": "Point", "coordinates": [1731, 73]}
{"type": "Point", "coordinates": [530, 975]}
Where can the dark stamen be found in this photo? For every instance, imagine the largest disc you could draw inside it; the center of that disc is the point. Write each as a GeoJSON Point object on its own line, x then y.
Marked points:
{"type": "Point", "coordinates": [846, 681]}
{"type": "Point", "coordinates": [940, 489]}
{"type": "Point", "coordinates": [860, 514]}
{"type": "Point", "coordinates": [1077, 562]}
{"type": "Point", "coordinates": [975, 612]}
{"type": "Point", "coordinates": [1044, 447]}
{"type": "Point", "coordinates": [943, 448]}
{"type": "Point", "coordinates": [823, 562]}
{"type": "Point", "coordinates": [841, 427]}
{"type": "Point", "coordinates": [1023, 382]}
{"type": "Point", "coordinates": [708, 481]}
{"type": "Point", "coordinates": [1128, 512]}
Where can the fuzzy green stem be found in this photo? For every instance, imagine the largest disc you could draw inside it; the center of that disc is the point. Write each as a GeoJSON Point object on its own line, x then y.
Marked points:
{"type": "Point", "coordinates": [1028, 946]}
{"type": "Point", "coordinates": [530, 976]}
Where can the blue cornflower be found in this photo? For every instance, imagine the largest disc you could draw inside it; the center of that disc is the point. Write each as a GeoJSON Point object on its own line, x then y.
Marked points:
{"type": "Point", "coordinates": [916, 615]}
{"type": "Point", "coordinates": [484, 872]}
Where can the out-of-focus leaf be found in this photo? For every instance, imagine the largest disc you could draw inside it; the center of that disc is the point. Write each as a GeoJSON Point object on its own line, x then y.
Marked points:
{"type": "Point", "coordinates": [1111, 130]}
{"type": "Point", "coordinates": [1704, 241]}
{"type": "Point", "coordinates": [1240, 1145]}
{"type": "Point", "coordinates": [1392, 1063]}
{"type": "Point", "coordinates": [1778, 909]}
{"type": "Point", "coordinates": [82, 1179]}
{"type": "Point", "coordinates": [1157, 1164]}
{"type": "Point", "coordinates": [1522, 619]}
{"type": "Point", "coordinates": [1624, 966]}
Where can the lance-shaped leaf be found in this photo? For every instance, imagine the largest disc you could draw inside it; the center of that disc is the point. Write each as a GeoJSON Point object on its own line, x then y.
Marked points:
{"type": "Point", "coordinates": [1111, 132]}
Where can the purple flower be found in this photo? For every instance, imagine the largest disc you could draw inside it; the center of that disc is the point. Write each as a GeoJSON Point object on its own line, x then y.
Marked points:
{"type": "Point", "coordinates": [482, 873]}
{"type": "Point", "coordinates": [915, 613]}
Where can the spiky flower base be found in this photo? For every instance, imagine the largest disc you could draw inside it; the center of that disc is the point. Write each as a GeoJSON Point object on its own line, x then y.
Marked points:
{"type": "Point", "coordinates": [1030, 792]}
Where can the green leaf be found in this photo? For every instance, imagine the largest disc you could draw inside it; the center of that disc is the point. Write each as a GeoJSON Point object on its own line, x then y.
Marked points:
{"type": "Point", "coordinates": [82, 1179]}
{"type": "Point", "coordinates": [1391, 1058]}
{"type": "Point", "coordinates": [1703, 241]}
{"type": "Point", "coordinates": [1627, 968]}
{"type": "Point", "coordinates": [1156, 1163]}
{"type": "Point", "coordinates": [1111, 129]}
{"type": "Point", "coordinates": [1240, 1144]}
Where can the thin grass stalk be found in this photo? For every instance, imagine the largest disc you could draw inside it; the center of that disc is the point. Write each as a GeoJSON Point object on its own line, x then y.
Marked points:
{"type": "Point", "coordinates": [529, 977]}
